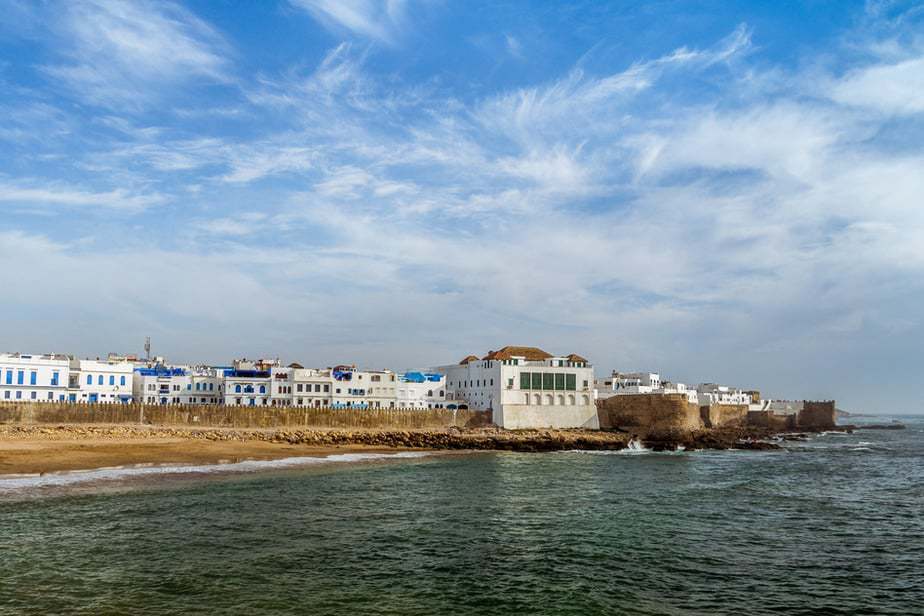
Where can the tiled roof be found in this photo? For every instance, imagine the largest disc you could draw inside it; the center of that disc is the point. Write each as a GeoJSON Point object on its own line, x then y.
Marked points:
{"type": "Point", "coordinates": [468, 359]}
{"type": "Point", "coordinates": [575, 357]}
{"type": "Point", "coordinates": [509, 352]}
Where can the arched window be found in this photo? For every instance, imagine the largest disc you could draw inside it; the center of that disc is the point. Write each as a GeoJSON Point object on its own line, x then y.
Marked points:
{"type": "Point", "coordinates": [237, 389]}
{"type": "Point", "coordinates": [262, 389]}
{"type": "Point", "coordinates": [99, 381]}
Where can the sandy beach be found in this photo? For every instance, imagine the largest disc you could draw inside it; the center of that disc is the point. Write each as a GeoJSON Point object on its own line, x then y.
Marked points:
{"type": "Point", "coordinates": [55, 449]}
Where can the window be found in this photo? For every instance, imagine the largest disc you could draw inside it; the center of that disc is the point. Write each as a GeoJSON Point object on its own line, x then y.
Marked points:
{"type": "Point", "coordinates": [20, 375]}
{"type": "Point", "coordinates": [9, 377]}
{"type": "Point", "coordinates": [122, 380]}
{"type": "Point", "coordinates": [54, 379]}
{"type": "Point", "coordinates": [559, 381]}
{"type": "Point", "coordinates": [548, 381]}
{"type": "Point", "coordinates": [6, 395]}
{"type": "Point", "coordinates": [537, 380]}
{"type": "Point", "coordinates": [99, 380]}
{"type": "Point", "coordinates": [570, 382]}
{"type": "Point", "coordinates": [262, 389]}
{"type": "Point", "coordinates": [89, 379]}
{"type": "Point", "coordinates": [492, 382]}
{"type": "Point", "coordinates": [112, 379]}
{"type": "Point", "coordinates": [33, 377]}
{"type": "Point", "coordinates": [298, 388]}
{"type": "Point", "coordinates": [19, 395]}
{"type": "Point", "coordinates": [237, 390]}
{"type": "Point", "coordinates": [34, 395]}
{"type": "Point", "coordinates": [524, 380]}
{"type": "Point", "coordinates": [326, 388]}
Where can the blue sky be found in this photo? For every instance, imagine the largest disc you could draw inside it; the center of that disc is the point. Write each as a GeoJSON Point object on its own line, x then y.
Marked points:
{"type": "Point", "coordinates": [726, 191]}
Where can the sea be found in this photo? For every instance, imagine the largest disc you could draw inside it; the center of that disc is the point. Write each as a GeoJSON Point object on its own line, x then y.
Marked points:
{"type": "Point", "coordinates": [830, 525]}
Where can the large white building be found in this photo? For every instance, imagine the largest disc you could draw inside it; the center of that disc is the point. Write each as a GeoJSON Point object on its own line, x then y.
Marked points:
{"type": "Point", "coordinates": [525, 387]}
{"type": "Point", "coordinates": [710, 393]}
{"type": "Point", "coordinates": [34, 378]}
{"type": "Point", "coordinates": [629, 383]}
{"type": "Point", "coordinates": [100, 381]}
{"type": "Point", "coordinates": [311, 387]}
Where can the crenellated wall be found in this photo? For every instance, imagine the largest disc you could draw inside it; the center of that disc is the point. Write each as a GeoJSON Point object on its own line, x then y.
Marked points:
{"type": "Point", "coordinates": [652, 412]}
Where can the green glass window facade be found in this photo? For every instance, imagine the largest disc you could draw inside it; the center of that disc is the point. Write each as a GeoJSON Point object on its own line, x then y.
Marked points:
{"type": "Point", "coordinates": [548, 381]}
{"type": "Point", "coordinates": [570, 382]}
{"type": "Point", "coordinates": [524, 380]}
{"type": "Point", "coordinates": [559, 381]}
{"type": "Point", "coordinates": [537, 380]}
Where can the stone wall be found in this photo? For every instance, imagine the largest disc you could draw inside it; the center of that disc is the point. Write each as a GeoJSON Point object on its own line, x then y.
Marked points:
{"type": "Point", "coordinates": [240, 416]}
{"type": "Point", "coordinates": [769, 419]}
{"type": "Point", "coordinates": [724, 415]}
{"type": "Point", "coordinates": [650, 412]}
{"type": "Point", "coordinates": [528, 416]}
{"type": "Point", "coordinates": [818, 415]}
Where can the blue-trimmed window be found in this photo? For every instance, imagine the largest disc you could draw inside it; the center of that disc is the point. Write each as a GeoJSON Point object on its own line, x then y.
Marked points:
{"type": "Point", "coordinates": [237, 389]}
{"type": "Point", "coordinates": [90, 379]}
{"type": "Point", "coordinates": [19, 395]}
{"type": "Point", "coordinates": [51, 395]}
{"type": "Point", "coordinates": [20, 377]}
{"type": "Point", "coordinates": [99, 380]}
{"type": "Point", "coordinates": [6, 395]}
{"type": "Point", "coordinates": [262, 389]}
{"type": "Point", "coordinates": [112, 379]}
{"type": "Point", "coordinates": [54, 379]}
{"type": "Point", "coordinates": [34, 395]}
{"type": "Point", "coordinates": [122, 380]}
{"type": "Point", "coordinates": [33, 377]}
{"type": "Point", "coordinates": [9, 377]}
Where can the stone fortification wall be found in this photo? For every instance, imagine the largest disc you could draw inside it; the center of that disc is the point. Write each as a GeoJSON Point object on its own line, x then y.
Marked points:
{"type": "Point", "coordinates": [771, 420]}
{"type": "Point", "coordinates": [819, 415]}
{"type": "Point", "coordinates": [724, 415]}
{"type": "Point", "coordinates": [240, 416]}
{"type": "Point", "coordinates": [651, 412]}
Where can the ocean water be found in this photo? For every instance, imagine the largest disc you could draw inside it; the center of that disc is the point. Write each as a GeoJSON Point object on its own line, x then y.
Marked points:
{"type": "Point", "coordinates": [834, 525]}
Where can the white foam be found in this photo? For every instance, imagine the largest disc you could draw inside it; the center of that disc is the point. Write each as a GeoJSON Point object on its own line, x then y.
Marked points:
{"type": "Point", "coordinates": [10, 483]}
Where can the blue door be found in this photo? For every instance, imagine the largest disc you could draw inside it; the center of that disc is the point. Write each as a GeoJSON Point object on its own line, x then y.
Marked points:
{"type": "Point", "coordinates": [72, 397]}
{"type": "Point", "coordinates": [94, 397]}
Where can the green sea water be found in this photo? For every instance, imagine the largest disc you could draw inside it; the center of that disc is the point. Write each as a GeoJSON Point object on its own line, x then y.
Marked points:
{"type": "Point", "coordinates": [834, 525]}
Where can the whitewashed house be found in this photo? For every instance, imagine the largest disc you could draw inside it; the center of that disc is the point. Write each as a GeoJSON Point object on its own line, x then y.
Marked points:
{"type": "Point", "coordinates": [312, 387]}
{"type": "Point", "coordinates": [100, 381]}
{"type": "Point", "coordinates": [421, 390]}
{"type": "Point", "coordinates": [249, 383]}
{"type": "Point", "coordinates": [33, 378]}
{"type": "Point", "coordinates": [363, 389]}
{"type": "Point", "coordinates": [524, 387]}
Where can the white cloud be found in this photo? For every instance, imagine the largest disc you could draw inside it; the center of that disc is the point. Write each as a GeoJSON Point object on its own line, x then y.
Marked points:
{"type": "Point", "coordinates": [380, 20]}
{"type": "Point", "coordinates": [120, 53]}
{"type": "Point", "coordinates": [62, 195]}
{"type": "Point", "coordinates": [890, 88]}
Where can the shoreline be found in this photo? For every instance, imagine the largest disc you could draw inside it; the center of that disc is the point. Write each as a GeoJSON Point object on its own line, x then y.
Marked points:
{"type": "Point", "coordinates": [34, 449]}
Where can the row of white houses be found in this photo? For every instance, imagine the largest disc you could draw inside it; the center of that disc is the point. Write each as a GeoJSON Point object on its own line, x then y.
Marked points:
{"type": "Point", "coordinates": [524, 387]}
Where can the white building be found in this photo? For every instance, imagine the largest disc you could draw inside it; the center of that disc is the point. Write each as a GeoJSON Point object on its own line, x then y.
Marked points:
{"type": "Point", "coordinates": [249, 383]}
{"type": "Point", "coordinates": [94, 381]}
{"type": "Point", "coordinates": [710, 393]}
{"type": "Point", "coordinates": [205, 385]}
{"type": "Point", "coordinates": [311, 387]}
{"type": "Point", "coordinates": [633, 383]}
{"type": "Point", "coordinates": [363, 389]}
{"type": "Point", "coordinates": [524, 387]}
{"type": "Point", "coordinates": [421, 390]}
{"type": "Point", "coordinates": [33, 378]}
{"type": "Point", "coordinates": [159, 384]}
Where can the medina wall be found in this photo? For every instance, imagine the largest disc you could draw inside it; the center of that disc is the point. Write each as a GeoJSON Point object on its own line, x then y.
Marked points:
{"type": "Point", "coordinates": [650, 412]}
{"type": "Point", "coordinates": [817, 415]}
{"type": "Point", "coordinates": [724, 415]}
{"type": "Point", "coordinates": [528, 416]}
{"type": "Point", "coordinates": [218, 416]}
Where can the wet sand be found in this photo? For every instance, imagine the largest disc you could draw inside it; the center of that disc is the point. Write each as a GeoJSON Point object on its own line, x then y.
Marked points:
{"type": "Point", "coordinates": [37, 455]}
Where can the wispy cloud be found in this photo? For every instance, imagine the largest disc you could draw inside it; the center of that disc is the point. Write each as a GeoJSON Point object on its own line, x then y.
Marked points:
{"type": "Point", "coordinates": [381, 20]}
{"type": "Point", "coordinates": [122, 53]}
{"type": "Point", "coordinates": [62, 195]}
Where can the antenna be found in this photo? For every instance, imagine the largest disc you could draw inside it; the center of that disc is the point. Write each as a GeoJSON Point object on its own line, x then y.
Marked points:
{"type": "Point", "coordinates": [147, 348]}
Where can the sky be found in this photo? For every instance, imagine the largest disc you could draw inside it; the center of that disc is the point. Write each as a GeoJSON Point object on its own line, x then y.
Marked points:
{"type": "Point", "coordinates": [721, 191]}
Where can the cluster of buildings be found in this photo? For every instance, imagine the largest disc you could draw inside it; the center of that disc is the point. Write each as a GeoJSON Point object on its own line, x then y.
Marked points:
{"type": "Point", "coordinates": [523, 386]}
{"type": "Point", "coordinates": [626, 383]}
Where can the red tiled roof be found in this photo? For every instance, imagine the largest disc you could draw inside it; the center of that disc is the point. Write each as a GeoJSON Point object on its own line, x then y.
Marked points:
{"type": "Point", "coordinates": [509, 352]}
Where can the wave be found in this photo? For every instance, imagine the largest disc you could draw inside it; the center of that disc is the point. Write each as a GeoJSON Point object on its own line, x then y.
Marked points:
{"type": "Point", "coordinates": [12, 483]}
